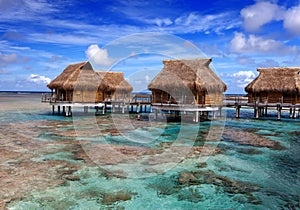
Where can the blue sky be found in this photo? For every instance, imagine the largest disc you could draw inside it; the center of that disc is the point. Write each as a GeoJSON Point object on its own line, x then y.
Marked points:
{"type": "Point", "coordinates": [39, 38]}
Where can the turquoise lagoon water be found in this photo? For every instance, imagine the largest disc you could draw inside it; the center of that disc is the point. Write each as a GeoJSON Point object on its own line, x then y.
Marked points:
{"type": "Point", "coordinates": [235, 176]}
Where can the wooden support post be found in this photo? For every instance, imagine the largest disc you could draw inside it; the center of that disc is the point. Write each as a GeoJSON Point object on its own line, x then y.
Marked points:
{"type": "Point", "coordinates": [256, 112]}
{"type": "Point", "coordinates": [278, 111]}
{"type": "Point", "coordinates": [294, 113]}
{"type": "Point", "coordinates": [64, 110]}
{"type": "Point", "coordinates": [299, 113]}
{"type": "Point", "coordinates": [123, 108]}
{"type": "Point", "coordinates": [266, 110]}
{"type": "Point", "coordinates": [155, 114]}
{"type": "Point", "coordinates": [103, 109]}
{"type": "Point", "coordinates": [58, 110]}
{"type": "Point", "coordinates": [140, 107]}
{"type": "Point", "coordinates": [85, 109]}
{"type": "Point", "coordinates": [67, 111]}
{"type": "Point", "coordinates": [214, 115]}
{"type": "Point", "coordinates": [197, 116]}
{"type": "Point", "coordinates": [206, 115]}
{"type": "Point", "coordinates": [97, 109]}
{"type": "Point", "coordinates": [237, 111]}
{"type": "Point", "coordinates": [113, 108]}
{"type": "Point", "coordinates": [260, 111]}
{"type": "Point", "coordinates": [255, 109]}
{"type": "Point", "coordinates": [291, 112]}
{"type": "Point", "coordinates": [220, 112]}
{"type": "Point", "coordinates": [131, 108]}
{"type": "Point", "coordinates": [53, 109]}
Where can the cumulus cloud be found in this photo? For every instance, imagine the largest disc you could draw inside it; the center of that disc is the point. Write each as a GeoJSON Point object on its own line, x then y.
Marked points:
{"type": "Point", "coordinates": [38, 79]}
{"type": "Point", "coordinates": [292, 20]}
{"type": "Point", "coordinates": [242, 78]}
{"type": "Point", "coordinates": [257, 15]}
{"type": "Point", "coordinates": [263, 12]}
{"type": "Point", "coordinates": [98, 56]}
{"type": "Point", "coordinates": [240, 44]}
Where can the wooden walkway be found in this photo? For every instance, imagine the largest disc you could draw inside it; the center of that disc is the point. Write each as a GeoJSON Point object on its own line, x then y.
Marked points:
{"type": "Point", "coordinates": [261, 109]}
{"type": "Point", "coordinates": [142, 103]}
{"type": "Point", "coordinates": [139, 103]}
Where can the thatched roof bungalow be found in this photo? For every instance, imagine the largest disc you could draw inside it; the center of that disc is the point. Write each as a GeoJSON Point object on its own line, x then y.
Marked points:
{"type": "Point", "coordinates": [80, 83]}
{"type": "Point", "coordinates": [187, 82]}
{"type": "Point", "coordinates": [275, 85]}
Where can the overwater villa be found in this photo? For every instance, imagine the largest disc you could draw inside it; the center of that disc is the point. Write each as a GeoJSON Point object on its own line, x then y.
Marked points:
{"type": "Point", "coordinates": [187, 85]}
{"type": "Point", "coordinates": [273, 88]}
{"type": "Point", "coordinates": [80, 84]}
{"type": "Point", "coordinates": [275, 85]}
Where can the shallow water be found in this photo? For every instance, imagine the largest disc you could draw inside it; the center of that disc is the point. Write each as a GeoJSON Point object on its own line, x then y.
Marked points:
{"type": "Point", "coordinates": [112, 162]}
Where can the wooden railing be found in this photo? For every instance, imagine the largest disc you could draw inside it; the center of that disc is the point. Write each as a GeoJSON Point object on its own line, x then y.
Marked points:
{"type": "Point", "coordinates": [46, 97]}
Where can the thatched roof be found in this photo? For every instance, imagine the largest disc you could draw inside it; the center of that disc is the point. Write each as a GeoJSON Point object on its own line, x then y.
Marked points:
{"type": "Point", "coordinates": [194, 74]}
{"type": "Point", "coordinates": [111, 81]}
{"type": "Point", "coordinates": [284, 79]}
{"type": "Point", "coordinates": [82, 76]}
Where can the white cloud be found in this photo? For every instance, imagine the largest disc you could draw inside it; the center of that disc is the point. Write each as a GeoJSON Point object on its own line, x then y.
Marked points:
{"type": "Point", "coordinates": [38, 79]}
{"type": "Point", "coordinates": [261, 13]}
{"type": "Point", "coordinates": [247, 74]}
{"type": "Point", "coordinates": [159, 21]}
{"type": "Point", "coordinates": [292, 20]}
{"type": "Point", "coordinates": [6, 59]}
{"type": "Point", "coordinates": [98, 56]}
{"type": "Point", "coordinates": [242, 78]}
{"type": "Point", "coordinates": [195, 22]}
{"type": "Point", "coordinates": [240, 44]}
{"type": "Point", "coordinates": [25, 10]}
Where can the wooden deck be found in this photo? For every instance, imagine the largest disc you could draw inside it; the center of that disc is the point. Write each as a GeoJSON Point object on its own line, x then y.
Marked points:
{"type": "Point", "coordinates": [138, 103]}
{"type": "Point", "coordinates": [142, 103]}
{"type": "Point", "coordinates": [261, 109]}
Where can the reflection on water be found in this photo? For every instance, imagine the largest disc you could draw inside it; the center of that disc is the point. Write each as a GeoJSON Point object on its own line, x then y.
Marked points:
{"type": "Point", "coordinates": [47, 162]}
